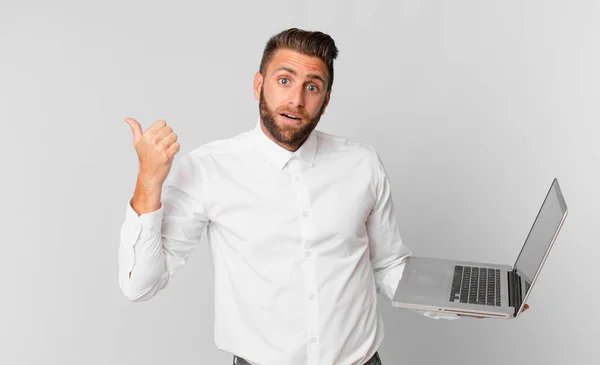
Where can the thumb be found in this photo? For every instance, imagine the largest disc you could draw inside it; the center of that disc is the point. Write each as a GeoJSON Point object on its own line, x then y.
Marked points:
{"type": "Point", "coordinates": [136, 128]}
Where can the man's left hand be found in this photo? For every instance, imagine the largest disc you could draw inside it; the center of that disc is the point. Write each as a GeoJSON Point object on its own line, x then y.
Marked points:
{"type": "Point", "coordinates": [525, 307]}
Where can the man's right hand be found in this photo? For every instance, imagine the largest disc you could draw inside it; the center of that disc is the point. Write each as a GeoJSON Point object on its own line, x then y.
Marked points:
{"type": "Point", "coordinates": [156, 148]}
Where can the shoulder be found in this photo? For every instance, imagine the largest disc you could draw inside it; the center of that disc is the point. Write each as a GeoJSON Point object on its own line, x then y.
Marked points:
{"type": "Point", "coordinates": [361, 156]}
{"type": "Point", "coordinates": [235, 145]}
{"type": "Point", "coordinates": [334, 143]}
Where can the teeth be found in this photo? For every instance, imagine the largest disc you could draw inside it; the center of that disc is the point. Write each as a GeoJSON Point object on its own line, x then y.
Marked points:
{"type": "Point", "coordinates": [289, 116]}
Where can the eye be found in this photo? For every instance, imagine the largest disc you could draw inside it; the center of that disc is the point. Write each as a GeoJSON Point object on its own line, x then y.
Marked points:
{"type": "Point", "coordinates": [313, 88]}
{"type": "Point", "coordinates": [284, 81]}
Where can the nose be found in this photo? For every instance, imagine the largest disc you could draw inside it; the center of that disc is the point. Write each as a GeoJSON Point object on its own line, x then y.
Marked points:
{"type": "Point", "coordinates": [297, 96]}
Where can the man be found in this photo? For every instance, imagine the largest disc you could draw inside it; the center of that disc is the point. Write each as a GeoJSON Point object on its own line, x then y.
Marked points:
{"type": "Point", "coordinates": [300, 223]}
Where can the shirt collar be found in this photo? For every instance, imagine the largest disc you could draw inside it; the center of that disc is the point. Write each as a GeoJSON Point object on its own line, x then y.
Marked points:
{"type": "Point", "coordinates": [279, 156]}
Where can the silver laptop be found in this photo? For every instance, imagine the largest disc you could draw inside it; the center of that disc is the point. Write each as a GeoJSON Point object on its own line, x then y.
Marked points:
{"type": "Point", "coordinates": [482, 289]}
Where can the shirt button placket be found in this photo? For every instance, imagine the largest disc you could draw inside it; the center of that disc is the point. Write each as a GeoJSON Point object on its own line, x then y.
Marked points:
{"type": "Point", "coordinates": [309, 257]}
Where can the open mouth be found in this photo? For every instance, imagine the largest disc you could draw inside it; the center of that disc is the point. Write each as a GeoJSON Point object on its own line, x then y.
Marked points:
{"type": "Point", "coordinates": [291, 116]}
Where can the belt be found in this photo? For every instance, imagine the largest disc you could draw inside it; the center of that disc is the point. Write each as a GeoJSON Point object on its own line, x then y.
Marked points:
{"type": "Point", "coordinates": [374, 360]}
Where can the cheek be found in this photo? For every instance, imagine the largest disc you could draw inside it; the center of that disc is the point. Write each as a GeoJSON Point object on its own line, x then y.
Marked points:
{"type": "Point", "coordinates": [273, 97]}
{"type": "Point", "coordinates": [315, 105]}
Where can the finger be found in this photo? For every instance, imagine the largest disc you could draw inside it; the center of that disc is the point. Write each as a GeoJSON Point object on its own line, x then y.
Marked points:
{"type": "Point", "coordinates": [162, 133]}
{"type": "Point", "coordinates": [154, 128]}
{"type": "Point", "coordinates": [173, 149]}
{"type": "Point", "coordinates": [168, 140]}
{"type": "Point", "coordinates": [136, 128]}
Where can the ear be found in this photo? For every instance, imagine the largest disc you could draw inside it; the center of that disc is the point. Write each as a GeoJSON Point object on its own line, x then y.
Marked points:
{"type": "Point", "coordinates": [326, 102]}
{"type": "Point", "coordinates": [258, 81]}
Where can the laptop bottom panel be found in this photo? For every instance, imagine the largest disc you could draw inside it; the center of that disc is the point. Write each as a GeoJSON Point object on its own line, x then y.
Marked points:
{"type": "Point", "coordinates": [450, 286]}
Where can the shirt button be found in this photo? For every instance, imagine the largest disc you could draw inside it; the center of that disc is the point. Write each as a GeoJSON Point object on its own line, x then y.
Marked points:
{"type": "Point", "coordinates": [307, 253]}
{"type": "Point", "coordinates": [305, 214]}
{"type": "Point", "coordinates": [311, 297]}
{"type": "Point", "coordinates": [297, 177]}
{"type": "Point", "coordinates": [313, 339]}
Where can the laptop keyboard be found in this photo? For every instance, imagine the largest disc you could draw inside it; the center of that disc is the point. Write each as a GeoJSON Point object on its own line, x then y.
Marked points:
{"type": "Point", "coordinates": [477, 285]}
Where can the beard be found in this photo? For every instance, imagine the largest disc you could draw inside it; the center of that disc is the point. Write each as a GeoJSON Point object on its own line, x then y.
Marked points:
{"type": "Point", "coordinates": [287, 134]}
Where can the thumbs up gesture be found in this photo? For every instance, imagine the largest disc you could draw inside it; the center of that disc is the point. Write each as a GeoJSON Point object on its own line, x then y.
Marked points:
{"type": "Point", "coordinates": [156, 148]}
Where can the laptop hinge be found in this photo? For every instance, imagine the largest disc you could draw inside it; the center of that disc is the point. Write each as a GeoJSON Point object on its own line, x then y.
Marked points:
{"type": "Point", "coordinates": [514, 290]}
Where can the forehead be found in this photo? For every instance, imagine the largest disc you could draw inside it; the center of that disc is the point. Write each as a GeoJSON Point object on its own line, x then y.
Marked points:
{"type": "Point", "coordinates": [298, 62]}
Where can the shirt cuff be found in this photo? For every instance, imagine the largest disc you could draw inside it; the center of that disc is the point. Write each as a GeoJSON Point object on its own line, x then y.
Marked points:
{"type": "Point", "coordinates": [390, 279]}
{"type": "Point", "coordinates": [147, 221]}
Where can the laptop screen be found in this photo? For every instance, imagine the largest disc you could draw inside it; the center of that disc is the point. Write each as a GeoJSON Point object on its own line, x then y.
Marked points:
{"type": "Point", "coordinates": [542, 234]}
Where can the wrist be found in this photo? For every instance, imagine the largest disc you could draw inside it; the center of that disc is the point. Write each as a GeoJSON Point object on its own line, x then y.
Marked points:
{"type": "Point", "coordinates": [149, 182]}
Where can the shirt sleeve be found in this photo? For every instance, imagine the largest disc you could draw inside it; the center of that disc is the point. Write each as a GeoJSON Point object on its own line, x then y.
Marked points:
{"type": "Point", "coordinates": [153, 246]}
{"type": "Point", "coordinates": [387, 251]}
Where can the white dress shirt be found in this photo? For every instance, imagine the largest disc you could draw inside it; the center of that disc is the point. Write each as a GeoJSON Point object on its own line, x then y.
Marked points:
{"type": "Point", "coordinates": [301, 243]}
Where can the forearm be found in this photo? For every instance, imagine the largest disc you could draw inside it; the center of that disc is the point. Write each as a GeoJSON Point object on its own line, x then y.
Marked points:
{"type": "Point", "coordinates": [387, 282]}
{"type": "Point", "coordinates": [387, 279]}
{"type": "Point", "coordinates": [142, 268]}
{"type": "Point", "coordinates": [163, 224]}
{"type": "Point", "coordinates": [146, 198]}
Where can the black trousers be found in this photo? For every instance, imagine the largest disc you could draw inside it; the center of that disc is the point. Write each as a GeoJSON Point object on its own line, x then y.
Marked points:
{"type": "Point", "coordinates": [374, 360]}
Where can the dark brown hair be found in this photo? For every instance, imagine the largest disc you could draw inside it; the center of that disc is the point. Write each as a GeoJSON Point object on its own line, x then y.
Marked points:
{"type": "Point", "coordinates": [310, 43]}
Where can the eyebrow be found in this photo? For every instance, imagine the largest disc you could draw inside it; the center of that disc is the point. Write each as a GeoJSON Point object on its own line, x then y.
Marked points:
{"type": "Point", "coordinates": [312, 76]}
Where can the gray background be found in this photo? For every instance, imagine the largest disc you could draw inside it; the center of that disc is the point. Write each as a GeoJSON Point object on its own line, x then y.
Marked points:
{"type": "Point", "coordinates": [474, 106]}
